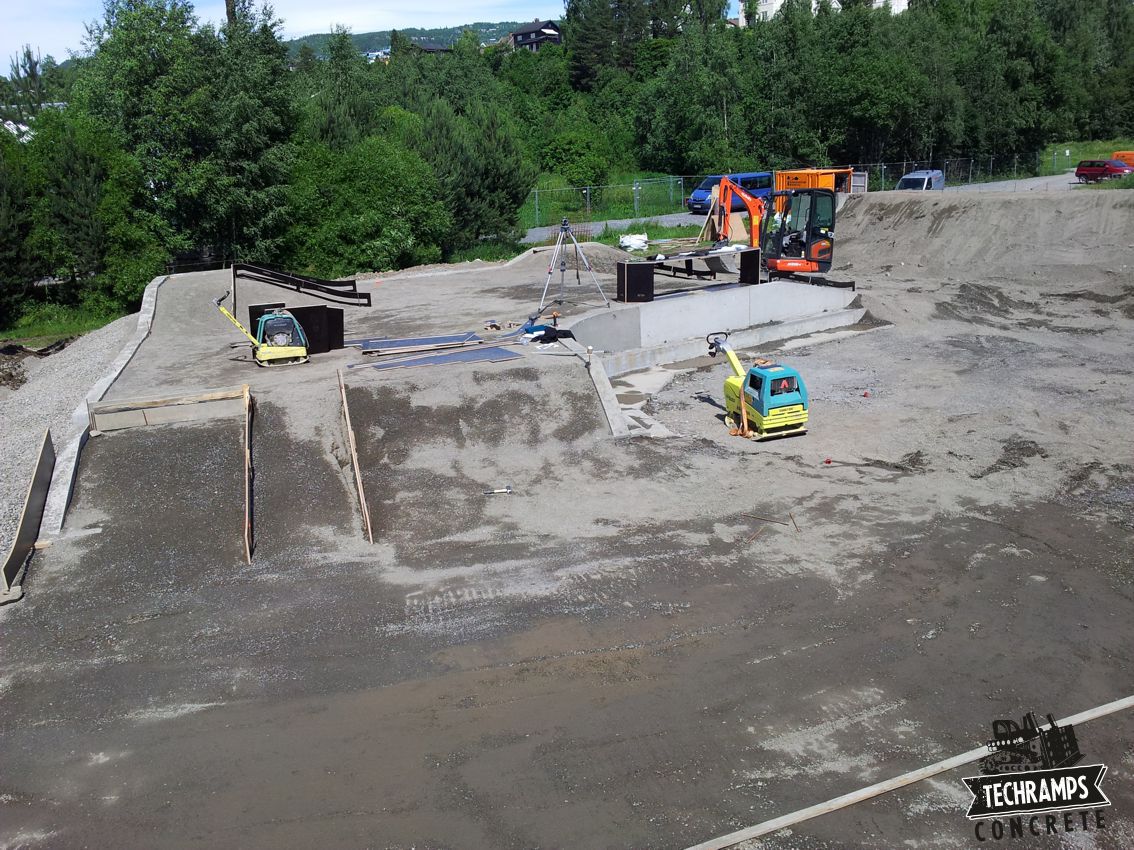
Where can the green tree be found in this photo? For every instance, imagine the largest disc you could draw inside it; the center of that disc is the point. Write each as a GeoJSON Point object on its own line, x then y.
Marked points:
{"type": "Point", "coordinates": [341, 112]}
{"type": "Point", "coordinates": [93, 221]}
{"type": "Point", "coordinates": [147, 80]}
{"type": "Point", "coordinates": [590, 35]}
{"type": "Point", "coordinates": [372, 206]}
{"type": "Point", "coordinates": [28, 86]}
{"type": "Point", "coordinates": [306, 62]}
{"type": "Point", "coordinates": [15, 224]}
{"type": "Point", "coordinates": [253, 130]}
{"type": "Point", "coordinates": [482, 171]}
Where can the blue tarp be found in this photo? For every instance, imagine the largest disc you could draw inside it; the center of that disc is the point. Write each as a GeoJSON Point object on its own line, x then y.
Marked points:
{"type": "Point", "coordinates": [465, 355]}
{"type": "Point", "coordinates": [379, 343]}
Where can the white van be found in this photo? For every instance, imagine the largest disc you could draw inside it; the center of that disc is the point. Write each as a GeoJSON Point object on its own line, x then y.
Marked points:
{"type": "Point", "coordinates": [922, 180]}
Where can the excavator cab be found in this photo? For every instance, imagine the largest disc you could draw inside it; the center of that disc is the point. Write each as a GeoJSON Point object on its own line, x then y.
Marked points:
{"type": "Point", "coordinates": [799, 238]}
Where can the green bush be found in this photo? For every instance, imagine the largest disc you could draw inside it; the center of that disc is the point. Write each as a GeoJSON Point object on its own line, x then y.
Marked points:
{"type": "Point", "coordinates": [370, 207]}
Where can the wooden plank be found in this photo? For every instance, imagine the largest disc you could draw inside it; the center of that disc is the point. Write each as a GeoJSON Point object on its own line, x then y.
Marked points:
{"type": "Point", "coordinates": [414, 349]}
{"type": "Point", "coordinates": [247, 475]}
{"type": "Point", "coordinates": [485, 354]}
{"type": "Point", "coordinates": [123, 405]}
{"type": "Point", "coordinates": [27, 530]}
{"type": "Point", "coordinates": [354, 460]}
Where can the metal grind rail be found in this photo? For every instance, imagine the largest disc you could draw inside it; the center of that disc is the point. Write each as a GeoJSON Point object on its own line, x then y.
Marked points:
{"type": "Point", "coordinates": [335, 291]}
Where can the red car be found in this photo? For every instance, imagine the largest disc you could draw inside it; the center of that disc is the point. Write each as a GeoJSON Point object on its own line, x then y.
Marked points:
{"type": "Point", "coordinates": [1091, 170]}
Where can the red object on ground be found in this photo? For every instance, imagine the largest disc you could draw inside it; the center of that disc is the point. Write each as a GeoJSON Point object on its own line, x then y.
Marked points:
{"type": "Point", "coordinates": [828, 460]}
{"type": "Point", "coordinates": [866, 394]}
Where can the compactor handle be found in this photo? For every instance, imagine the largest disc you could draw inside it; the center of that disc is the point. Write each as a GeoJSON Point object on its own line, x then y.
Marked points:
{"type": "Point", "coordinates": [714, 340]}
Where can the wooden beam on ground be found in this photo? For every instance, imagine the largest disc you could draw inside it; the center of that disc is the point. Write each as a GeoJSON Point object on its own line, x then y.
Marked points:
{"type": "Point", "coordinates": [413, 349]}
{"type": "Point", "coordinates": [248, 544]}
{"type": "Point", "coordinates": [354, 460]}
{"type": "Point", "coordinates": [27, 530]}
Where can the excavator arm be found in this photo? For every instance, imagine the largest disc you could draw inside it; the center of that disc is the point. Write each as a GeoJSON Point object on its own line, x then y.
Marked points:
{"type": "Point", "coordinates": [756, 210]}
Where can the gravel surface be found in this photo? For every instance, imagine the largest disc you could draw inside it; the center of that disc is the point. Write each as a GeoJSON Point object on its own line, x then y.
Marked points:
{"type": "Point", "coordinates": [55, 386]}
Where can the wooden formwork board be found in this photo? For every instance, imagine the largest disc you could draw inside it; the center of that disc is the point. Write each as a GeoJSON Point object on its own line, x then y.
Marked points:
{"type": "Point", "coordinates": [131, 413]}
{"type": "Point", "coordinates": [248, 542]}
{"type": "Point", "coordinates": [27, 530]}
{"type": "Point", "coordinates": [354, 460]}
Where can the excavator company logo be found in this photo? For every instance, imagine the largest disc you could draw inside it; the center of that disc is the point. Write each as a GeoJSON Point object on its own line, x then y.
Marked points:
{"type": "Point", "coordinates": [1029, 775]}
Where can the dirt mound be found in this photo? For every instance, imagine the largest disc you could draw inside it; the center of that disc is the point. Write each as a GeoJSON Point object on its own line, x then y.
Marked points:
{"type": "Point", "coordinates": [603, 258]}
{"type": "Point", "coordinates": [987, 234]}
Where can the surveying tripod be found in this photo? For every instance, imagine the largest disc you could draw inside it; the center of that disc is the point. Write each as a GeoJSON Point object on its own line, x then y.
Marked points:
{"type": "Point", "coordinates": [565, 233]}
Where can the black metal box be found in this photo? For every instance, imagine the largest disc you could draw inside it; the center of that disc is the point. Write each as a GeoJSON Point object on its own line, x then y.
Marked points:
{"type": "Point", "coordinates": [635, 282]}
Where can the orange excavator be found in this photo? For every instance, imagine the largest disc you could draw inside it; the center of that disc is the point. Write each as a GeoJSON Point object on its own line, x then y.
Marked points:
{"type": "Point", "coordinates": [794, 230]}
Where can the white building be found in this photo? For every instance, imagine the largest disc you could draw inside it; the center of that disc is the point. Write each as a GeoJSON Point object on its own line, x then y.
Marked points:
{"type": "Point", "coordinates": [766, 8]}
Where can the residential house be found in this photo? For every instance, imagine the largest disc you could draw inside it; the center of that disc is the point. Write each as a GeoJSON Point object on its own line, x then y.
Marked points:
{"type": "Point", "coordinates": [534, 35]}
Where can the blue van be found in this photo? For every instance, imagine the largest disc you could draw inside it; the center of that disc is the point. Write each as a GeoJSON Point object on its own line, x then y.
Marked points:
{"type": "Point", "coordinates": [922, 180]}
{"type": "Point", "coordinates": [758, 183]}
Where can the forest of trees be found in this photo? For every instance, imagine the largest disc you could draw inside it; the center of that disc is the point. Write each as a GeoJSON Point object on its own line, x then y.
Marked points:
{"type": "Point", "coordinates": [182, 139]}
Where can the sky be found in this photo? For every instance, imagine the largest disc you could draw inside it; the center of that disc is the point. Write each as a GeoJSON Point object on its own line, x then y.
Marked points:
{"type": "Point", "coordinates": [56, 27]}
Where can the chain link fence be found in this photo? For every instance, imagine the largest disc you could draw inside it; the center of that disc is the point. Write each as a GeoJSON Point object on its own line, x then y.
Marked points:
{"type": "Point", "coordinates": [640, 199]}
{"type": "Point", "coordinates": [666, 195]}
{"type": "Point", "coordinates": [972, 171]}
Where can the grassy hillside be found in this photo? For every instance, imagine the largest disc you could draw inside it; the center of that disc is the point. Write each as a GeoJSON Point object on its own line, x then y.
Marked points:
{"type": "Point", "coordinates": [367, 41]}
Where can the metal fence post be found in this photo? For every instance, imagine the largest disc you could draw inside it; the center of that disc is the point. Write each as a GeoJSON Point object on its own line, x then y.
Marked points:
{"type": "Point", "coordinates": [536, 206]}
{"type": "Point", "coordinates": [970, 169]}
{"type": "Point", "coordinates": [637, 190]}
{"type": "Point", "coordinates": [587, 195]}
{"type": "Point", "coordinates": [1015, 165]}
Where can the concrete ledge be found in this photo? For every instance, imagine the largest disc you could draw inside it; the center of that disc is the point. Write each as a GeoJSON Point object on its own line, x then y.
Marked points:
{"type": "Point", "coordinates": [607, 397]}
{"type": "Point", "coordinates": [67, 464]}
{"type": "Point", "coordinates": [694, 313]}
{"type": "Point", "coordinates": [620, 362]}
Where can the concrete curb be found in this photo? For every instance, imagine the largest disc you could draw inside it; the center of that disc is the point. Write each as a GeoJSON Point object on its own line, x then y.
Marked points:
{"type": "Point", "coordinates": [615, 419]}
{"type": "Point", "coordinates": [610, 405]}
{"type": "Point", "coordinates": [67, 464]}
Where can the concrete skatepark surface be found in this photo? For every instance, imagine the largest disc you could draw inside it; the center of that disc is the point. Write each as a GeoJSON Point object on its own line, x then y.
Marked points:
{"type": "Point", "coordinates": [604, 658]}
